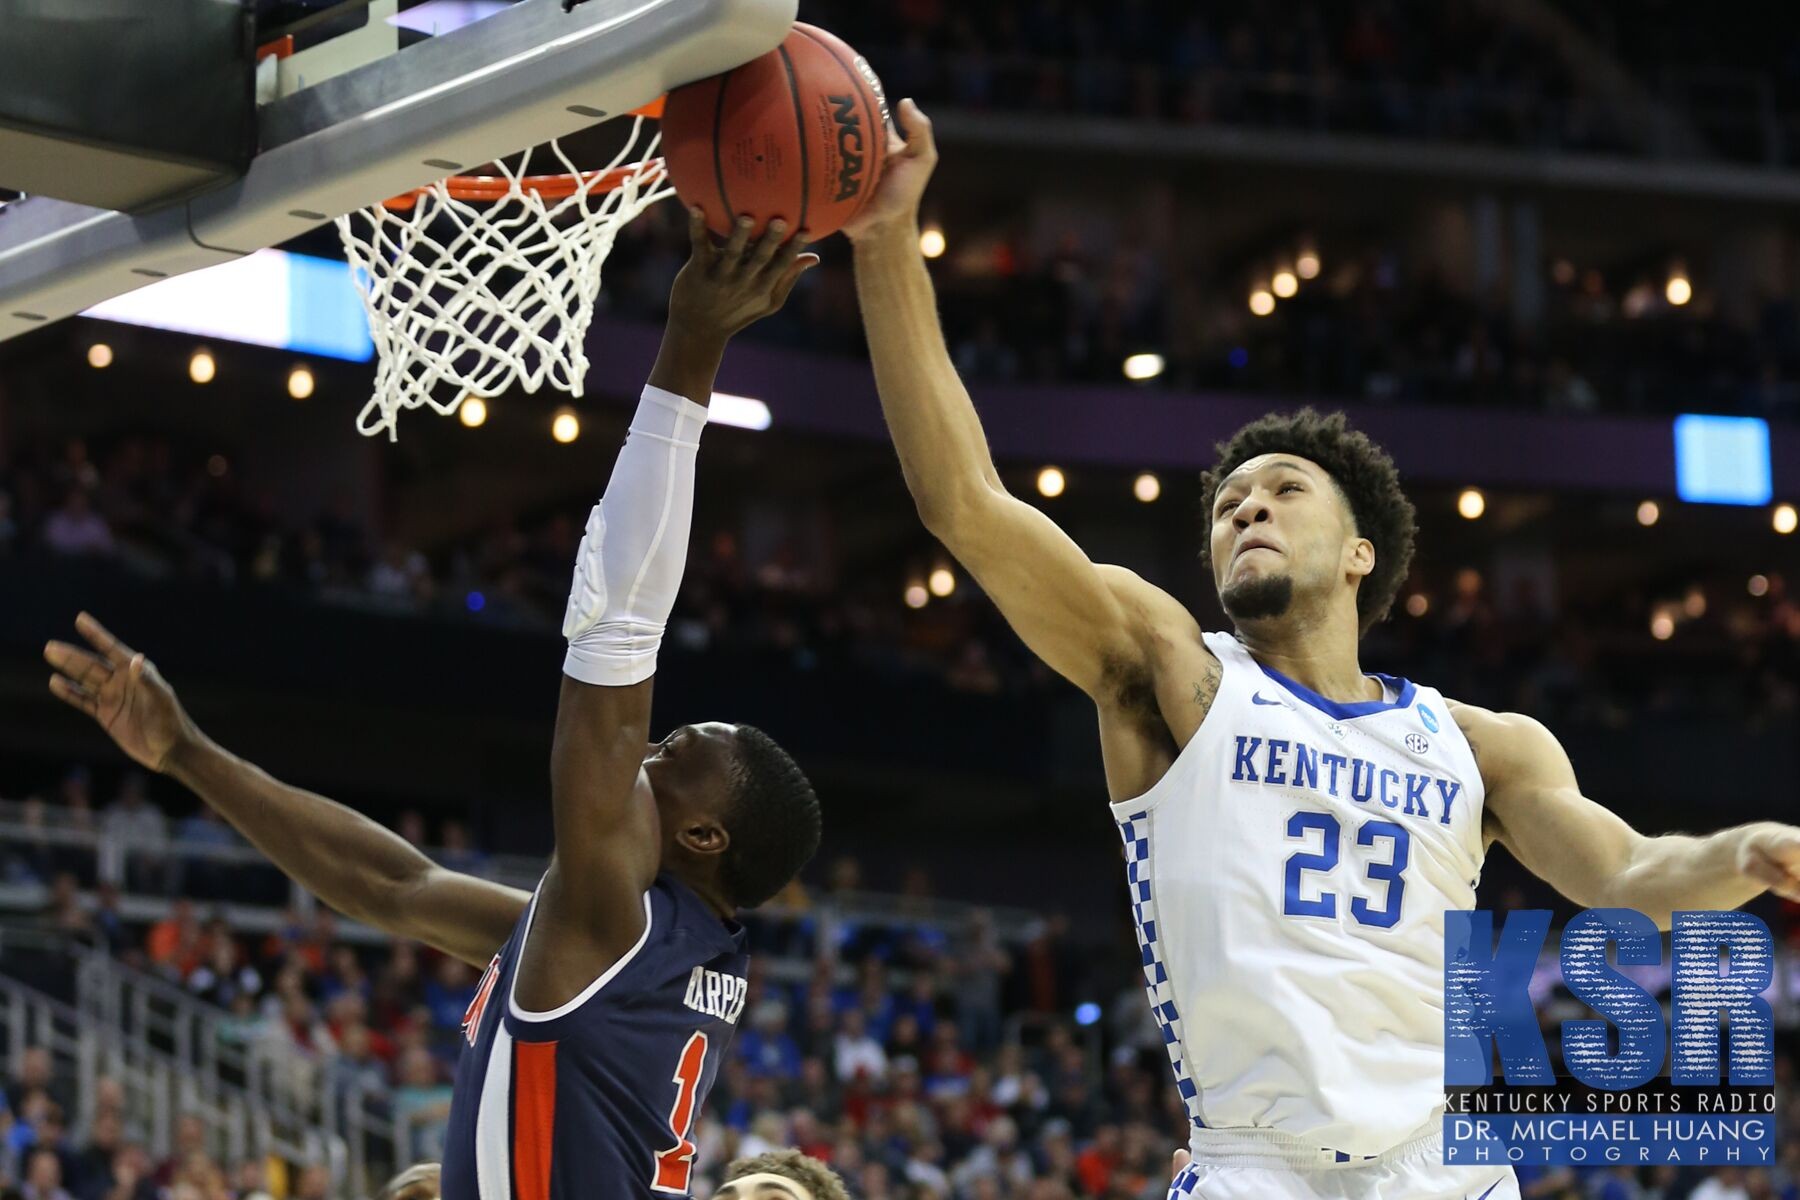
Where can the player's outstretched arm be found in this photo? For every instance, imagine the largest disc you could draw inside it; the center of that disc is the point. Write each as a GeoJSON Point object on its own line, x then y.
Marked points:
{"type": "Point", "coordinates": [1591, 855]}
{"type": "Point", "coordinates": [1083, 620]}
{"type": "Point", "coordinates": [351, 863]}
{"type": "Point", "coordinates": [627, 573]}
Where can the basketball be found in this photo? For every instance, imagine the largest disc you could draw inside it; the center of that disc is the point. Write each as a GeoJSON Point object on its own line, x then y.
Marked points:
{"type": "Point", "coordinates": [799, 134]}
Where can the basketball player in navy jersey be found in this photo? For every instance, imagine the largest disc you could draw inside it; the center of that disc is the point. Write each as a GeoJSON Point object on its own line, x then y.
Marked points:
{"type": "Point", "coordinates": [1295, 829]}
{"type": "Point", "coordinates": [611, 993]}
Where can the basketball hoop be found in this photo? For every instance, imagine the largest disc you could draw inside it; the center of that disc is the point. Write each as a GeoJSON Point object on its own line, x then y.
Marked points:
{"type": "Point", "coordinates": [480, 283]}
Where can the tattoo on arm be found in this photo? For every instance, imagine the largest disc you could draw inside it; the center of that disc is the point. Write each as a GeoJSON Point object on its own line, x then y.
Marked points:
{"type": "Point", "coordinates": [1208, 688]}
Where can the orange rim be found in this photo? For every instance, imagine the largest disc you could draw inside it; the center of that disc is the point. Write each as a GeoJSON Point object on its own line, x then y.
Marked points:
{"type": "Point", "coordinates": [479, 188]}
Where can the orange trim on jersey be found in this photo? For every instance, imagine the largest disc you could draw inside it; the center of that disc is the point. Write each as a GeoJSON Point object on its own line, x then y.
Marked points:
{"type": "Point", "coordinates": [534, 1118]}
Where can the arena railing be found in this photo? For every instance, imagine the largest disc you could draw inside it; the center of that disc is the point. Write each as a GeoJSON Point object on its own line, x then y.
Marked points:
{"type": "Point", "coordinates": [162, 1076]}
{"type": "Point", "coordinates": [42, 840]}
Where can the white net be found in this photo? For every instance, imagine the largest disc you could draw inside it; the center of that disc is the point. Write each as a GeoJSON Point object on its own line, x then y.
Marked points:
{"type": "Point", "coordinates": [472, 296]}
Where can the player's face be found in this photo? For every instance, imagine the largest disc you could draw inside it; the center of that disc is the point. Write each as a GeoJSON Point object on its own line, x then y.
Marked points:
{"type": "Point", "coordinates": [690, 770]}
{"type": "Point", "coordinates": [763, 1187]}
{"type": "Point", "coordinates": [1279, 530]}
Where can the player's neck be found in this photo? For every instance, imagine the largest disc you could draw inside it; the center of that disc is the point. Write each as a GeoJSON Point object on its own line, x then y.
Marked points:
{"type": "Point", "coordinates": [1319, 656]}
{"type": "Point", "coordinates": [708, 890]}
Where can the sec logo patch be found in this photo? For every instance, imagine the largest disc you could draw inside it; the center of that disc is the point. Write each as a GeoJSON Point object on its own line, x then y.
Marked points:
{"type": "Point", "coordinates": [1416, 743]}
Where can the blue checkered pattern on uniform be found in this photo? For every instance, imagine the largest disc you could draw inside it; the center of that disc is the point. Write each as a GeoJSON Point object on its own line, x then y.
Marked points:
{"type": "Point", "coordinates": [1135, 830]}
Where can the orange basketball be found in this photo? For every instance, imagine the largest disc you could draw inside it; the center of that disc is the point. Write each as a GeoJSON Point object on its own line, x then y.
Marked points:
{"type": "Point", "coordinates": [800, 134]}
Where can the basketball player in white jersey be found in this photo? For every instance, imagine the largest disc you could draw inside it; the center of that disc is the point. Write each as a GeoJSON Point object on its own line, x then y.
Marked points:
{"type": "Point", "coordinates": [1294, 828]}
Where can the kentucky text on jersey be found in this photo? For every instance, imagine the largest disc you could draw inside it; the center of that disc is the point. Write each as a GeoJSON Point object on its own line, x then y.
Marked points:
{"type": "Point", "coordinates": [1281, 762]}
{"type": "Point", "coordinates": [716, 994]}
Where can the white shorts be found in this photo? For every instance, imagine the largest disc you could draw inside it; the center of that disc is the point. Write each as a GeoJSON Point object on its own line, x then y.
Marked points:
{"type": "Point", "coordinates": [1263, 1164]}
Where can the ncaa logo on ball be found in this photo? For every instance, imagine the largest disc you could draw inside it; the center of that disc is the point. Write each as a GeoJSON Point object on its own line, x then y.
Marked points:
{"type": "Point", "coordinates": [1416, 743]}
{"type": "Point", "coordinates": [849, 145]}
{"type": "Point", "coordinates": [1429, 718]}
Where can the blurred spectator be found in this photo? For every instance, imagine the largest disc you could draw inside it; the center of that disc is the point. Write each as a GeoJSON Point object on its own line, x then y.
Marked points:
{"type": "Point", "coordinates": [198, 874]}
{"type": "Point", "coordinates": [35, 1073]}
{"type": "Point", "coordinates": [857, 1054]}
{"type": "Point", "coordinates": [142, 829]}
{"type": "Point", "coordinates": [422, 1105]}
{"type": "Point", "coordinates": [978, 971]}
{"type": "Point", "coordinates": [76, 529]}
{"type": "Point", "coordinates": [175, 944]}
{"type": "Point", "coordinates": [43, 1176]}
{"type": "Point", "coordinates": [1728, 1184]}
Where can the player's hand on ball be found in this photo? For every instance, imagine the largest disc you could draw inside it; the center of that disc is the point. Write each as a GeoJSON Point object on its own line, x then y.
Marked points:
{"type": "Point", "coordinates": [722, 289]}
{"type": "Point", "coordinates": [119, 688]}
{"type": "Point", "coordinates": [1770, 854]}
{"type": "Point", "coordinates": [912, 156]}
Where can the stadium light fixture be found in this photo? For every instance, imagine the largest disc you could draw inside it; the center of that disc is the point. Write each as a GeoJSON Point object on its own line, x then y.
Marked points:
{"type": "Point", "coordinates": [1662, 625]}
{"type": "Point", "coordinates": [741, 412]}
{"type": "Point", "coordinates": [1307, 264]}
{"type": "Point", "coordinates": [202, 368]}
{"type": "Point", "coordinates": [300, 383]}
{"type": "Point", "coordinates": [1679, 290]}
{"type": "Point", "coordinates": [1262, 301]}
{"type": "Point", "coordinates": [472, 412]}
{"type": "Point", "coordinates": [1139, 367]}
{"type": "Point", "coordinates": [931, 242]}
{"type": "Point", "coordinates": [566, 426]}
{"type": "Point", "coordinates": [942, 582]}
{"type": "Point", "coordinates": [916, 596]}
{"type": "Point", "coordinates": [1758, 585]}
{"type": "Point", "coordinates": [1649, 513]}
{"type": "Point", "coordinates": [1784, 519]}
{"type": "Point", "coordinates": [100, 356]}
{"type": "Point", "coordinates": [1418, 604]}
{"type": "Point", "coordinates": [1471, 504]}
{"type": "Point", "coordinates": [1284, 284]}
{"type": "Point", "coordinates": [1146, 487]}
{"type": "Point", "coordinates": [1050, 483]}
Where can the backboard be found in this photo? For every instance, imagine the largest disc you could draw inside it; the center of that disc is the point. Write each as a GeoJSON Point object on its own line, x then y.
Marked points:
{"type": "Point", "coordinates": [365, 99]}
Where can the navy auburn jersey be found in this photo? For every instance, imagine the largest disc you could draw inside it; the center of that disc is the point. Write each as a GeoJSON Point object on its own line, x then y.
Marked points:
{"type": "Point", "coordinates": [600, 1096]}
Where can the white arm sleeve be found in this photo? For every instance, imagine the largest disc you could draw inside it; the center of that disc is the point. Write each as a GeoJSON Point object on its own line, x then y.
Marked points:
{"type": "Point", "coordinates": [629, 567]}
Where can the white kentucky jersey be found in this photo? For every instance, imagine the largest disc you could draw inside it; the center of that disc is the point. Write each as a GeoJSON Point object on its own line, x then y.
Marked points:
{"type": "Point", "coordinates": [1289, 878]}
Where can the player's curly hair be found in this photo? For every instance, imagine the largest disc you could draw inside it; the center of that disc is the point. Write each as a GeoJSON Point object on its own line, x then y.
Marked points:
{"type": "Point", "coordinates": [1364, 476]}
{"type": "Point", "coordinates": [772, 819]}
{"type": "Point", "coordinates": [817, 1178]}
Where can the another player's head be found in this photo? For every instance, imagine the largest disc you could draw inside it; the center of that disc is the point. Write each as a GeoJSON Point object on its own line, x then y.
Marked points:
{"type": "Point", "coordinates": [780, 1175]}
{"type": "Point", "coordinates": [735, 808]}
{"type": "Point", "coordinates": [1305, 514]}
{"type": "Point", "coordinates": [418, 1182]}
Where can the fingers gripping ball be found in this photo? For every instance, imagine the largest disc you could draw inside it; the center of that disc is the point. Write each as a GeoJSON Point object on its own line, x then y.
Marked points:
{"type": "Point", "coordinates": [800, 133]}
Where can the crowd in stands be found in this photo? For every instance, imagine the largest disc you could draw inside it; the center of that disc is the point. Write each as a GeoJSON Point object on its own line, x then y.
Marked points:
{"type": "Point", "coordinates": [1032, 307]}
{"type": "Point", "coordinates": [1666, 82]}
{"type": "Point", "coordinates": [1409, 69]}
